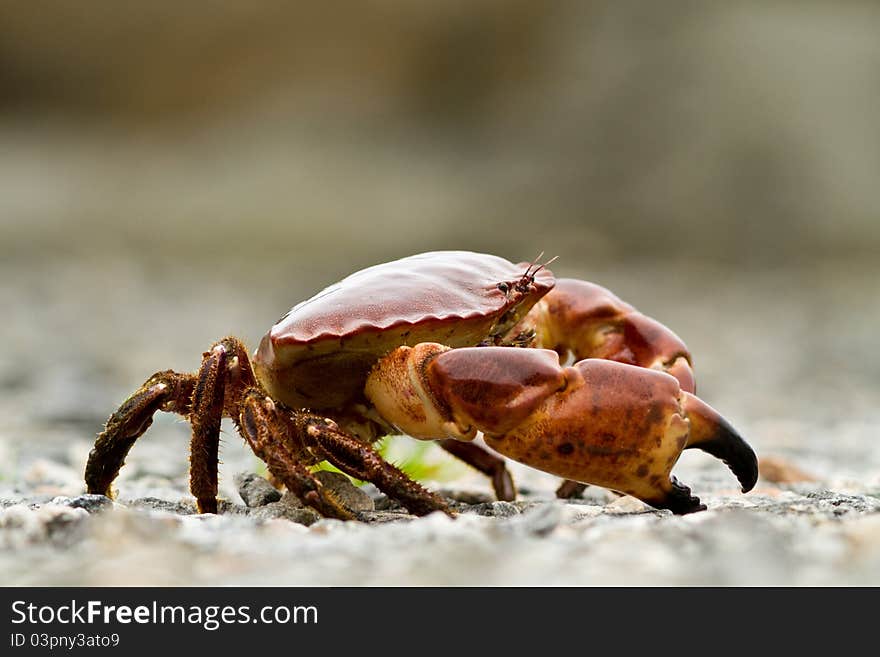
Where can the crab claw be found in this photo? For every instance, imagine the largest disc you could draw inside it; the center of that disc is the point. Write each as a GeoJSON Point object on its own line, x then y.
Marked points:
{"type": "Point", "coordinates": [598, 422]}
{"type": "Point", "coordinates": [588, 321]}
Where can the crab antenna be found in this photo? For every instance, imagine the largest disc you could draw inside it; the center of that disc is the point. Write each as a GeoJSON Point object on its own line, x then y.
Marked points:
{"type": "Point", "coordinates": [528, 272]}
{"type": "Point", "coordinates": [535, 262]}
{"type": "Point", "coordinates": [549, 262]}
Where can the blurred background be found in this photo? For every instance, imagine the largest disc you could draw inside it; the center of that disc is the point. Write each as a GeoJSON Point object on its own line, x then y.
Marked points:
{"type": "Point", "coordinates": [170, 173]}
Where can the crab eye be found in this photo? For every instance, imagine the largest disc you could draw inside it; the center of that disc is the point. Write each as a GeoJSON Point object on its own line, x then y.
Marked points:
{"type": "Point", "coordinates": [504, 287]}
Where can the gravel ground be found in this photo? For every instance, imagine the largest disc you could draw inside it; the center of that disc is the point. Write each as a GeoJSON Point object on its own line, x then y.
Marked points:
{"type": "Point", "coordinates": [789, 356]}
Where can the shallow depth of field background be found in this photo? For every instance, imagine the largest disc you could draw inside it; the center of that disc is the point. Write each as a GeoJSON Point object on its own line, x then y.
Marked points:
{"type": "Point", "coordinates": [171, 173]}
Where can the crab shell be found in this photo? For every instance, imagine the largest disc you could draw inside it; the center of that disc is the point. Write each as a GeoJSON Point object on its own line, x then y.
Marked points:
{"type": "Point", "coordinates": [319, 354]}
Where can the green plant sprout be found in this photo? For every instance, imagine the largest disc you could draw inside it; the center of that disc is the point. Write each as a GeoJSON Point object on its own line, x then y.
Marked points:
{"type": "Point", "coordinates": [421, 460]}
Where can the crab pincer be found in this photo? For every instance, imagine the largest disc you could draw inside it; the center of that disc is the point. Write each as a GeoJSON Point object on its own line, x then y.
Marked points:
{"type": "Point", "coordinates": [598, 421]}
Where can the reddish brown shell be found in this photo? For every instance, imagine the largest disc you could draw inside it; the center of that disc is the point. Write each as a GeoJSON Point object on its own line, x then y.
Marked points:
{"type": "Point", "coordinates": [319, 354]}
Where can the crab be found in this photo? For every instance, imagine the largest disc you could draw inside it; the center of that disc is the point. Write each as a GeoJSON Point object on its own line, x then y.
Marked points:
{"type": "Point", "coordinates": [560, 375]}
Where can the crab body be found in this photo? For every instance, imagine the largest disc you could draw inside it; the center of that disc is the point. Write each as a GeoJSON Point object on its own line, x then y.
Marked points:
{"type": "Point", "coordinates": [427, 346]}
{"type": "Point", "coordinates": [319, 354]}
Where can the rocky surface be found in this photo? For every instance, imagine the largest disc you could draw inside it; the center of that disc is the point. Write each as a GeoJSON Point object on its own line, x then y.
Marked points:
{"type": "Point", "coordinates": [796, 534]}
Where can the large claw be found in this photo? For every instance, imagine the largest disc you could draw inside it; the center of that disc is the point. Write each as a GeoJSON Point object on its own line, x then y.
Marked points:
{"type": "Point", "coordinates": [599, 421]}
{"type": "Point", "coordinates": [588, 321]}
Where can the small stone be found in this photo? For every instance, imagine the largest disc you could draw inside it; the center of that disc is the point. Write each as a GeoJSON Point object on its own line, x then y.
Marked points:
{"type": "Point", "coordinates": [627, 504]}
{"type": "Point", "coordinates": [596, 495]}
{"type": "Point", "coordinates": [225, 507]}
{"type": "Point", "coordinates": [349, 495]}
{"type": "Point", "coordinates": [255, 491]}
{"type": "Point", "coordinates": [89, 502]}
{"type": "Point", "coordinates": [301, 515]}
{"type": "Point", "coordinates": [501, 509]}
{"type": "Point", "coordinates": [497, 509]}
{"type": "Point", "coordinates": [183, 508]}
{"type": "Point", "coordinates": [379, 517]}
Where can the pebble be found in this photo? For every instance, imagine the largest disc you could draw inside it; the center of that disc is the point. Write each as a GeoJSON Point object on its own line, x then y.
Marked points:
{"type": "Point", "coordinates": [628, 504]}
{"type": "Point", "coordinates": [182, 507]}
{"type": "Point", "coordinates": [91, 503]}
{"type": "Point", "coordinates": [255, 490]}
{"type": "Point", "coordinates": [351, 497]}
{"type": "Point", "coordinates": [378, 517]}
{"type": "Point", "coordinates": [299, 514]}
{"type": "Point", "coordinates": [258, 493]}
{"type": "Point", "coordinates": [496, 509]}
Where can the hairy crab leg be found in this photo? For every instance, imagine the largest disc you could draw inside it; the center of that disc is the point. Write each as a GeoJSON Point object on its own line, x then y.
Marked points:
{"type": "Point", "coordinates": [166, 391]}
{"type": "Point", "coordinates": [284, 438]}
{"type": "Point", "coordinates": [205, 416]}
{"type": "Point", "coordinates": [221, 380]}
{"type": "Point", "coordinates": [203, 398]}
{"type": "Point", "coordinates": [360, 460]}
{"type": "Point", "coordinates": [490, 465]}
{"type": "Point", "coordinates": [601, 422]}
{"type": "Point", "coordinates": [267, 431]}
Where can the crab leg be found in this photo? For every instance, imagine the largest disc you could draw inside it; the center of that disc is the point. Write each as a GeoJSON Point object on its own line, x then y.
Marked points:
{"type": "Point", "coordinates": [288, 441]}
{"type": "Point", "coordinates": [267, 431]}
{"type": "Point", "coordinates": [489, 464]}
{"type": "Point", "coordinates": [285, 439]}
{"type": "Point", "coordinates": [598, 421]}
{"type": "Point", "coordinates": [570, 489]}
{"type": "Point", "coordinates": [203, 398]}
{"type": "Point", "coordinates": [205, 416]}
{"type": "Point", "coordinates": [221, 380]}
{"type": "Point", "coordinates": [166, 390]}
{"type": "Point", "coordinates": [361, 461]}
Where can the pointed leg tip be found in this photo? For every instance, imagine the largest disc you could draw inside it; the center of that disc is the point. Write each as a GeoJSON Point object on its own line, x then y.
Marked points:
{"type": "Point", "coordinates": [206, 505]}
{"type": "Point", "coordinates": [505, 490]}
{"type": "Point", "coordinates": [569, 490]}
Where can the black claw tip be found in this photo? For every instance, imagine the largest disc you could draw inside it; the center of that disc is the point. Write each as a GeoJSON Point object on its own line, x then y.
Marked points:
{"type": "Point", "coordinates": [679, 500]}
{"type": "Point", "coordinates": [736, 453]}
